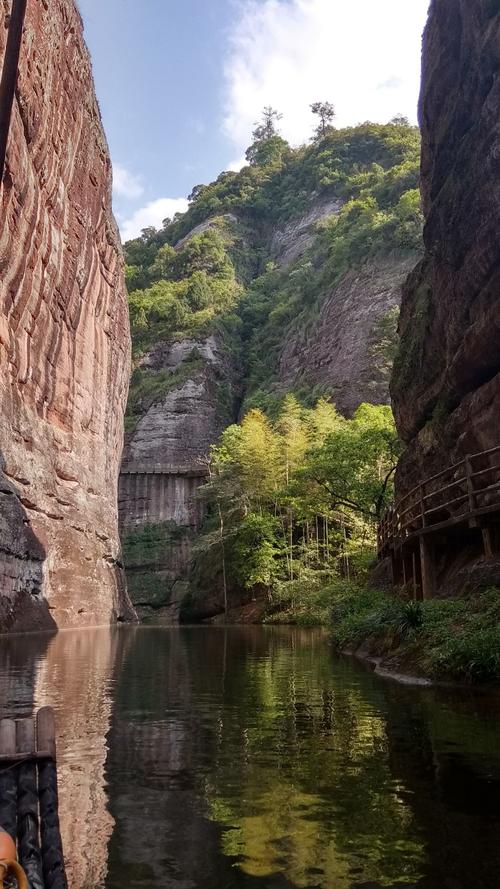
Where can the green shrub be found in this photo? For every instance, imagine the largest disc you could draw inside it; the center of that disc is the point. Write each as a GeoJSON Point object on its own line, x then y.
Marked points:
{"type": "Point", "coordinates": [453, 638]}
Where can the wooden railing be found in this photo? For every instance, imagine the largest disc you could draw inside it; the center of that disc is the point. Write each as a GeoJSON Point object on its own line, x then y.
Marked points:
{"type": "Point", "coordinates": [463, 491]}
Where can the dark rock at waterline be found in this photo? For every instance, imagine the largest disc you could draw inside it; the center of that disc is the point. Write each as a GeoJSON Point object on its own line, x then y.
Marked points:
{"type": "Point", "coordinates": [446, 381]}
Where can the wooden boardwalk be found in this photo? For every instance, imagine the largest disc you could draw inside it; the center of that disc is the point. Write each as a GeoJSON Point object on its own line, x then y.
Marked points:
{"type": "Point", "coordinates": [28, 797]}
{"type": "Point", "coordinates": [465, 494]}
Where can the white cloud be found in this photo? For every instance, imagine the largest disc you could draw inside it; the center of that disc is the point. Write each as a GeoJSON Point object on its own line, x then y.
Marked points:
{"type": "Point", "coordinates": [392, 83]}
{"type": "Point", "coordinates": [236, 165]}
{"type": "Point", "coordinates": [126, 184]}
{"type": "Point", "coordinates": [152, 214]}
{"type": "Point", "coordinates": [361, 55]}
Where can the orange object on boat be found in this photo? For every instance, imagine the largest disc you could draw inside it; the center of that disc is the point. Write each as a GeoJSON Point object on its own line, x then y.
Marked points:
{"type": "Point", "coordinates": [8, 861]}
{"type": "Point", "coordinates": [8, 851]}
{"type": "Point", "coordinates": [13, 869]}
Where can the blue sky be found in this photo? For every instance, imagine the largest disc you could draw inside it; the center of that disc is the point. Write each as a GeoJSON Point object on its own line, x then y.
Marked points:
{"type": "Point", "coordinates": [180, 82]}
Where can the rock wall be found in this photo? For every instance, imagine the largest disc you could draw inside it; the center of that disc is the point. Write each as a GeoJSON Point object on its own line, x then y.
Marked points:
{"type": "Point", "coordinates": [164, 463]}
{"type": "Point", "coordinates": [347, 348]}
{"type": "Point", "coordinates": [446, 383]}
{"type": "Point", "coordinates": [290, 242]}
{"type": "Point", "coordinates": [64, 341]}
{"type": "Point", "coordinates": [152, 497]}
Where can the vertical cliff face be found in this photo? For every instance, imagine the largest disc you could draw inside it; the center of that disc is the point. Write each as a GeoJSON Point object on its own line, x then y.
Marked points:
{"type": "Point", "coordinates": [347, 348]}
{"type": "Point", "coordinates": [165, 460]}
{"type": "Point", "coordinates": [446, 384]}
{"type": "Point", "coordinates": [64, 340]}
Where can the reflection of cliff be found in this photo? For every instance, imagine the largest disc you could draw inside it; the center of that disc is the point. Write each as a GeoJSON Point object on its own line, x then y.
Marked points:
{"type": "Point", "coordinates": [151, 747]}
{"type": "Point", "coordinates": [76, 677]}
{"type": "Point", "coordinates": [161, 743]}
{"type": "Point", "coordinates": [20, 657]}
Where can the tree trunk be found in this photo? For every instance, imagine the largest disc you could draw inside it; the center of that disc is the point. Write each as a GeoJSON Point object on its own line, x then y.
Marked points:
{"type": "Point", "coordinates": [224, 577]}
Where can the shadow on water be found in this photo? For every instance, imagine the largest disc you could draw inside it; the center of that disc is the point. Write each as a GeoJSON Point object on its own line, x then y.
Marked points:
{"type": "Point", "coordinates": [249, 757]}
{"type": "Point", "coordinates": [20, 661]}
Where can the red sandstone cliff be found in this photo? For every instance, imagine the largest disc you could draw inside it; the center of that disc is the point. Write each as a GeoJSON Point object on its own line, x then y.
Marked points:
{"type": "Point", "coordinates": [64, 340]}
{"type": "Point", "coordinates": [446, 384]}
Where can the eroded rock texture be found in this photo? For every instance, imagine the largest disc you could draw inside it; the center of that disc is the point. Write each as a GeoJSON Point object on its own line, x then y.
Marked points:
{"type": "Point", "coordinates": [446, 384]}
{"type": "Point", "coordinates": [165, 461]}
{"type": "Point", "coordinates": [348, 347]}
{"type": "Point", "coordinates": [64, 340]}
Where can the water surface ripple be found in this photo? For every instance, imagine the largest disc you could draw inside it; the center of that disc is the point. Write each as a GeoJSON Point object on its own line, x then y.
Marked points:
{"type": "Point", "coordinates": [223, 758]}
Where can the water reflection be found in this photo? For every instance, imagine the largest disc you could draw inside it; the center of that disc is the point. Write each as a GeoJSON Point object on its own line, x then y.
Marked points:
{"type": "Point", "coordinates": [73, 672]}
{"type": "Point", "coordinates": [207, 758]}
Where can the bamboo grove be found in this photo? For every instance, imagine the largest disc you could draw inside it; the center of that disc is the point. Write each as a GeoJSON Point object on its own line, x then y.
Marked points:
{"type": "Point", "coordinates": [295, 500]}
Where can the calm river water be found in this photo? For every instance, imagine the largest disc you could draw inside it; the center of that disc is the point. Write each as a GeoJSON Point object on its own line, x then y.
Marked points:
{"type": "Point", "coordinates": [213, 758]}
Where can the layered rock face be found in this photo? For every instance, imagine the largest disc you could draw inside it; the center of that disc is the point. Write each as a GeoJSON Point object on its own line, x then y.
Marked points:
{"type": "Point", "coordinates": [290, 242]}
{"type": "Point", "coordinates": [64, 341]}
{"type": "Point", "coordinates": [344, 349]}
{"type": "Point", "coordinates": [165, 461]}
{"type": "Point", "coordinates": [179, 427]}
{"type": "Point", "coordinates": [446, 384]}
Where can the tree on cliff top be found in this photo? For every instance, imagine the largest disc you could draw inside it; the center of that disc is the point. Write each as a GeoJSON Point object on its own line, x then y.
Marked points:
{"type": "Point", "coordinates": [267, 146]}
{"type": "Point", "coordinates": [326, 113]}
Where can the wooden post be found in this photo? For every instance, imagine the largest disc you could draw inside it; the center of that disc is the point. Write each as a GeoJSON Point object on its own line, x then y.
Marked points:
{"type": "Point", "coordinates": [470, 490]}
{"type": "Point", "coordinates": [414, 569]}
{"type": "Point", "coordinates": [422, 504]}
{"type": "Point", "coordinates": [397, 569]}
{"type": "Point", "coordinates": [427, 567]}
{"type": "Point", "coordinates": [394, 573]}
{"type": "Point", "coordinates": [52, 852]}
{"type": "Point", "coordinates": [9, 75]}
{"type": "Point", "coordinates": [488, 543]}
{"type": "Point", "coordinates": [8, 779]}
{"type": "Point", "coordinates": [30, 857]}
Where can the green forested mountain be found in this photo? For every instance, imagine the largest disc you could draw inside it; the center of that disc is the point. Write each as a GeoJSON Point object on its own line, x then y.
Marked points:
{"type": "Point", "coordinates": [212, 269]}
{"type": "Point", "coordinates": [300, 252]}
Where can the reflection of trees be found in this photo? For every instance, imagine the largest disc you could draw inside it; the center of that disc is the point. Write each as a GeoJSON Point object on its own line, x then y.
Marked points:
{"type": "Point", "coordinates": [164, 730]}
{"type": "Point", "coordinates": [236, 755]}
{"type": "Point", "coordinates": [248, 758]}
{"type": "Point", "coordinates": [314, 795]}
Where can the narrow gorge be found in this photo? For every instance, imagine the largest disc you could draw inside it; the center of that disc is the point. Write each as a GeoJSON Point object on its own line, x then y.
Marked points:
{"type": "Point", "coordinates": [281, 280]}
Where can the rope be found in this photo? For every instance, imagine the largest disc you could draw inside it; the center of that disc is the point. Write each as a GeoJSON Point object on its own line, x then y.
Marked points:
{"type": "Point", "coordinates": [12, 868]}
